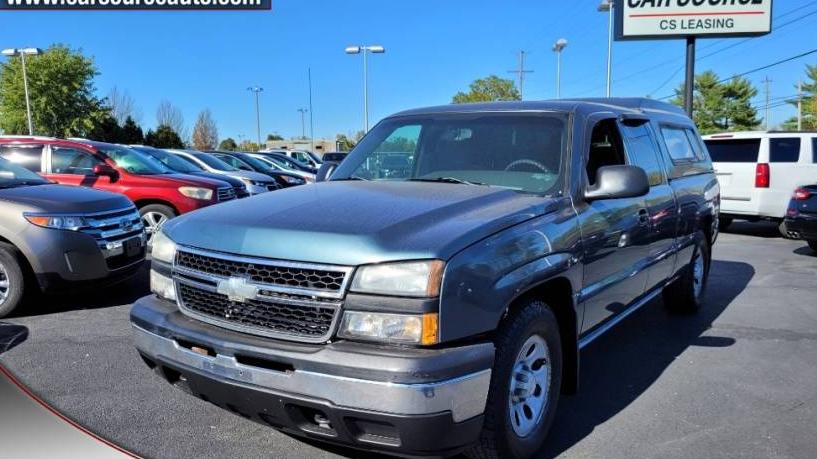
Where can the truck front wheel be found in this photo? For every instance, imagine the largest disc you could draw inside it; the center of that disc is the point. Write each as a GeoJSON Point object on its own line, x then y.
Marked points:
{"type": "Point", "coordinates": [525, 384]}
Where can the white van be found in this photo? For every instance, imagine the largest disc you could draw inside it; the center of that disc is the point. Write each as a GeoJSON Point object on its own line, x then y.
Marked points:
{"type": "Point", "coordinates": [759, 171]}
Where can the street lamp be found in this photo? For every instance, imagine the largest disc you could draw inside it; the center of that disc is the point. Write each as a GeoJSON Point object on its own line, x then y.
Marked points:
{"type": "Point", "coordinates": [23, 52]}
{"type": "Point", "coordinates": [303, 112]}
{"type": "Point", "coordinates": [376, 49]}
{"type": "Point", "coordinates": [257, 90]}
{"type": "Point", "coordinates": [560, 45]}
{"type": "Point", "coordinates": [606, 6]}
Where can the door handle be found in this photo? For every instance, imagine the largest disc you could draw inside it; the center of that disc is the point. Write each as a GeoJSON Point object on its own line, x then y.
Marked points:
{"type": "Point", "coordinates": [643, 217]}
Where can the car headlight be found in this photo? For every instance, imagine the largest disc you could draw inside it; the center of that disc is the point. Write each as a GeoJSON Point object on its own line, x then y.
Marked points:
{"type": "Point", "coordinates": [204, 194]}
{"type": "Point", "coordinates": [63, 222]}
{"type": "Point", "coordinates": [162, 285]}
{"type": "Point", "coordinates": [413, 278]}
{"type": "Point", "coordinates": [163, 249]}
{"type": "Point", "coordinates": [293, 180]}
{"type": "Point", "coordinates": [250, 182]}
{"type": "Point", "coordinates": [390, 328]}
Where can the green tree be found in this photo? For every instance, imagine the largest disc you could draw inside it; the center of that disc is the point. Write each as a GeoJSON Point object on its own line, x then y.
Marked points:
{"type": "Point", "coordinates": [489, 89]}
{"type": "Point", "coordinates": [274, 137]}
{"type": "Point", "coordinates": [164, 137]}
{"type": "Point", "coordinates": [809, 102]}
{"type": "Point", "coordinates": [132, 133]}
{"type": "Point", "coordinates": [228, 144]}
{"type": "Point", "coordinates": [721, 106]}
{"type": "Point", "coordinates": [61, 90]}
{"type": "Point", "coordinates": [106, 130]}
{"type": "Point", "coordinates": [344, 143]}
{"type": "Point", "coordinates": [249, 146]}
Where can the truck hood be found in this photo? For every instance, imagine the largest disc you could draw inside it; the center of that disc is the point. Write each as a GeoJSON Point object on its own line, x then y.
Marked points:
{"type": "Point", "coordinates": [354, 223]}
{"type": "Point", "coordinates": [64, 199]}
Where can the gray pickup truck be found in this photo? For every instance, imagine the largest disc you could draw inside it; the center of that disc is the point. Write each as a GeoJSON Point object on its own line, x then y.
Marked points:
{"type": "Point", "coordinates": [432, 295]}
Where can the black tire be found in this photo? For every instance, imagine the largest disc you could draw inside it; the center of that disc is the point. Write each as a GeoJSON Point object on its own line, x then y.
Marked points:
{"type": "Point", "coordinates": [682, 295]}
{"type": "Point", "coordinates": [149, 211]}
{"type": "Point", "coordinates": [12, 282]}
{"type": "Point", "coordinates": [498, 438]}
{"type": "Point", "coordinates": [724, 223]}
{"type": "Point", "coordinates": [813, 244]}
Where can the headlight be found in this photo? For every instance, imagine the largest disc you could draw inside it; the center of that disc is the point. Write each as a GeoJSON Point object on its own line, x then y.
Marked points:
{"type": "Point", "coordinates": [249, 182]}
{"type": "Point", "coordinates": [162, 286]}
{"type": "Point", "coordinates": [204, 194]}
{"type": "Point", "coordinates": [163, 249]}
{"type": "Point", "coordinates": [390, 328]}
{"type": "Point", "coordinates": [414, 278]}
{"type": "Point", "coordinates": [63, 222]}
{"type": "Point", "coordinates": [293, 180]}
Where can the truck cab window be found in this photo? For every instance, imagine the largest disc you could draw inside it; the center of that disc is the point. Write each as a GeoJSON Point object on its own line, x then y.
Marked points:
{"type": "Point", "coordinates": [606, 148]}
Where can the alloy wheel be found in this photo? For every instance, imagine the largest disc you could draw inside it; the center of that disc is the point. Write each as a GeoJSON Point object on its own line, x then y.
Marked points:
{"type": "Point", "coordinates": [153, 222]}
{"type": "Point", "coordinates": [4, 284]}
{"type": "Point", "coordinates": [530, 386]}
{"type": "Point", "coordinates": [698, 270]}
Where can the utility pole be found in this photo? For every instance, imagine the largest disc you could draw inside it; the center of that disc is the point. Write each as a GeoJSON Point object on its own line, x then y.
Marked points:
{"type": "Point", "coordinates": [311, 120]}
{"type": "Point", "coordinates": [257, 90]}
{"type": "Point", "coordinates": [689, 80]}
{"type": "Point", "coordinates": [768, 90]}
{"type": "Point", "coordinates": [520, 73]}
{"type": "Point", "coordinates": [303, 111]}
{"type": "Point", "coordinates": [800, 105]}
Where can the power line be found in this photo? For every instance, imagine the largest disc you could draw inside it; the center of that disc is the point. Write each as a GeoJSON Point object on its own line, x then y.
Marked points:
{"type": "Point", "coordinates": [520, 73]}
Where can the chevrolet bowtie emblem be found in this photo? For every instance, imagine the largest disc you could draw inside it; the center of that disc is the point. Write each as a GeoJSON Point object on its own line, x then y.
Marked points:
{"type": "Point", "coordinates": [237, 289]}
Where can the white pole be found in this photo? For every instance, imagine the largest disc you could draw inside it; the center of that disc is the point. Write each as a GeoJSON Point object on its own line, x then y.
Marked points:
{"type": "Point", "coordinates": [800, 105]}
{"type": "Point", "coordinates": [610, 54]}
{"type": "Point", "coordinates": [25, 87]}
{"type": "Point", "coordinates": [365, 90]}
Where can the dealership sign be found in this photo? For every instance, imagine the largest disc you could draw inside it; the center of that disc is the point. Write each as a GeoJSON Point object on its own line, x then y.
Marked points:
{"type": "Point", "coordinates": [657, 19]}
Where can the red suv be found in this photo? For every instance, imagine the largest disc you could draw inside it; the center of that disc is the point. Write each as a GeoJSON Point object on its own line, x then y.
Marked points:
{"type": "Point", "coordinates": [159, 193]}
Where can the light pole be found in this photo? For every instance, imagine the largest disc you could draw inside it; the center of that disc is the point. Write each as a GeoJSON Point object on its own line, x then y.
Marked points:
{"type": "Point", "coordinates": [257, 90]}
{"type": "Point", "coordinates": [22, 52]}
{"type": "Point", "coordinates": [560, 45]}
{"type": "Point", "coordinates": [303, 111]}
{"type": "Point", "coordinates": [607, 6]}
{"type": "Point", "coordinates": [376, 49]}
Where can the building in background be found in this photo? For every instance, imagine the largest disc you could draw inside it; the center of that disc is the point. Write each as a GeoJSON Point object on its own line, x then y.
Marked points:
{"type": "Point", "coordinates": [321, 145]}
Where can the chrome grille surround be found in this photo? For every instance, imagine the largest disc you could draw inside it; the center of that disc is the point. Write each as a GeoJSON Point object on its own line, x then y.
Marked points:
{"type": "Point", "coordinates": [111, 229]}
{"type": "Point", "coordinates": [287, 312]}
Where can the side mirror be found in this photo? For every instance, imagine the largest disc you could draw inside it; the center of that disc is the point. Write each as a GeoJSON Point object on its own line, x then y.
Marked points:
{"type": "Point", "coordinates": [617, 182]}
{"type": "Point", "coordinates": [325, 172]}
{"type": "Point", "coordinates": [103, 169]}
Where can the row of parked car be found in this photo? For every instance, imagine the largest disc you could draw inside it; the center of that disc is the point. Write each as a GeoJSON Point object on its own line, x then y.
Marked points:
{"type": "Point", "coordinates": [110, 200]}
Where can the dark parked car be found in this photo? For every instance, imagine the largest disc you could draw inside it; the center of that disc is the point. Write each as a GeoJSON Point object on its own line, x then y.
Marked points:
{"type": "Point", "coordinates": [244, 161]}
{"type": "Point", "coordinates": [334, 157]}
{"type": "Point", "coordinates": [801, 217]}
{"type": "Point", "coordinates": [287, 162]}
{"type": "Point", "coordinates": [185, 167]}
{"type": "Point", "coordinates": [446, 303]}
{"type": "Point", "coordinates": [67, 237]}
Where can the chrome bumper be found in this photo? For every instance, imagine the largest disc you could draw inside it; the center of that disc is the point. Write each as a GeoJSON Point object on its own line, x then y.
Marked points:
{"type": "Point", "coordinates": [464, 397]}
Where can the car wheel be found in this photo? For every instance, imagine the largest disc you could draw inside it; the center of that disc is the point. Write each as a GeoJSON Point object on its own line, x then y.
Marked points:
{"type": "Point", "coordinates": [154, 216]}
{"type": "Point", "coordinates": [812, 244]}
{"type": "Point", "coordinates": [525, 384]}
{"type": "Point", "coordinates": [686, 293]}
{"type": "Point", "coordinates": [724, 223]}
{"type": "Point", "coordinates": [12, 282]}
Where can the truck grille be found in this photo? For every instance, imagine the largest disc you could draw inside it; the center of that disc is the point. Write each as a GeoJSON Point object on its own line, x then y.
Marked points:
{"type": "Point", "coordinates": [286, 319]}
{"type": "Point", "coordinates": [279, 299]}
{"type": "Point", "coordinates": [263, 272]}
{"type": "Point", "coordinates": [226, 194]}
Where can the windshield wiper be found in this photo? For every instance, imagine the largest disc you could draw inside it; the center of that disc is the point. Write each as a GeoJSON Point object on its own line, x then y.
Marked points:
{"type": "Point", "coordinates": [448, 180]}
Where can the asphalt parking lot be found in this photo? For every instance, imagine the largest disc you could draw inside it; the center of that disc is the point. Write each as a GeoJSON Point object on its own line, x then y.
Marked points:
{"type": "Point", "coordinates": [737, 380]}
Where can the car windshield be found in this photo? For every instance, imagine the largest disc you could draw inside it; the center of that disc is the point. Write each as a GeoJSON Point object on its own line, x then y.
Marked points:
{"type": "Point", "coordinates": [288, 162]}
{"type": "Point", "coordinates": [256, 164]}
{"type": "Point", "coordinates": [12, 175]}
{"type": "Point", "coordinates": [133, 161]}
{"type": "Point", "coordinates": [171, 161]}
{"type": "Point", "coordinates": [522, 152]}
{"type": "Point", "coordinates": [214, 162]}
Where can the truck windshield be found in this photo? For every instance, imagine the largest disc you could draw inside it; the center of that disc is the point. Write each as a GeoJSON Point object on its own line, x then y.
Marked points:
{"type": "Point", "coordinates": [522, 152]}
{"type": "Point", "coordinates": [12, 175]}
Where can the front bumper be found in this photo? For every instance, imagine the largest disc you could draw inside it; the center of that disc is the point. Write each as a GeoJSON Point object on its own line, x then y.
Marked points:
{"type": "Point", "coordinates": [401, 401]}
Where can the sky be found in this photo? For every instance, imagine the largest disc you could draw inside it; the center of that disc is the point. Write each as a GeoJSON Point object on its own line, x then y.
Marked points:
{"type": "Point", "coordinates": [434, 48]}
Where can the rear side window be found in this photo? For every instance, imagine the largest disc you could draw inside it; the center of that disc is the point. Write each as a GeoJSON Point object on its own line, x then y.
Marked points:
{"type": "Point", "coordinates": [678, 144]}
{"type": "Point", "coordinates": [28, 156]}
{"type": "Point", "coordinates": [784, 150]}
{"type": "Point", "coordinates": [734, 150]}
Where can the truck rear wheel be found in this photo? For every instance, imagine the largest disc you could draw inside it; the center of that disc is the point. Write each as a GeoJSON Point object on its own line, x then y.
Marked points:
{"type": "Point", "coordinates": [525, 384]}
{"type": "Point", "coordinates": [686, 293]}
{"type": "Point", "coordinates": [724, 223]}
{"type": "Point", "coordinates": [813, 245]}
{"type": "Point", "coordinates": [12, 282]}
